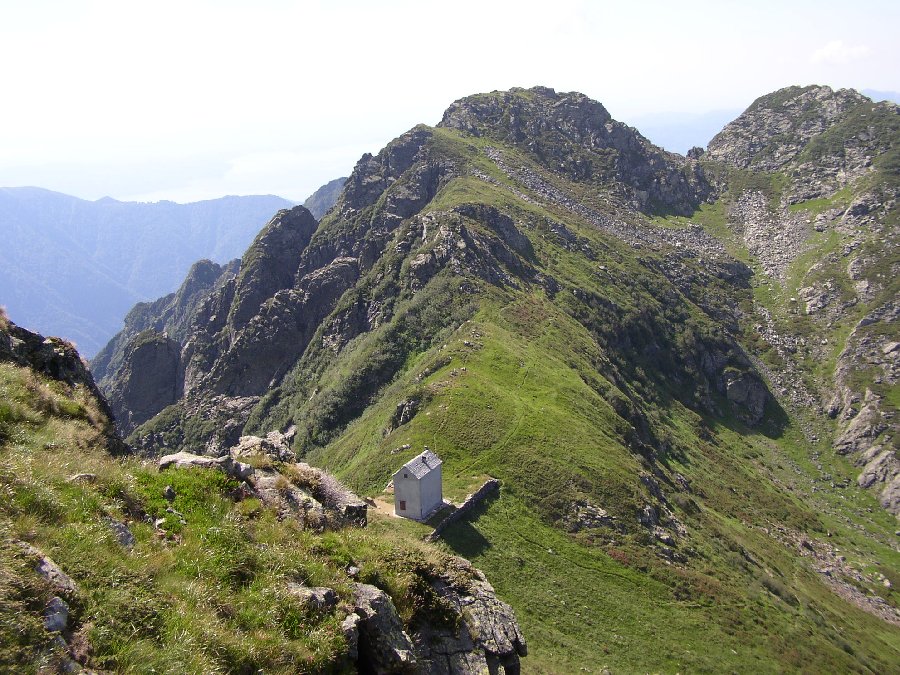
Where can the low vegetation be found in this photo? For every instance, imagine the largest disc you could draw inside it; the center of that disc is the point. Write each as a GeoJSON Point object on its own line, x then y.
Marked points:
{"type": "Point", "coordinates": [203, 586]}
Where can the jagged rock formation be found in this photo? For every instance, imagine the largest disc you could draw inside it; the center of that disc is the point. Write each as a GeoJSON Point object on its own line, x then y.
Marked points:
{"type": "Point", "coordinates": [140, 369]}
{"type": "Point", "coordinates": [321, 201]}
{"type": "Point", "coordinates": [480, 635]}
{"type": "Point", "coordinates": [171, 314]}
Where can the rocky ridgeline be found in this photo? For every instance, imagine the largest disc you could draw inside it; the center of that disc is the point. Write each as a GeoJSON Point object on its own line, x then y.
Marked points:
{"type": "Point", "coordinates": [828, 145]}
{"type": "Point", "coordinates": [571, 134]}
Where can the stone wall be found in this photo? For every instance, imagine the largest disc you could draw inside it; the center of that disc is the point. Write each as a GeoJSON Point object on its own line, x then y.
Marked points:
{"type": "Point", "coordinates": [490, 486]}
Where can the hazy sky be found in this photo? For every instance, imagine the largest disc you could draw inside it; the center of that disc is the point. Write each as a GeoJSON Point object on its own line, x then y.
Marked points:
{"type": "Point", "coordinates": [190, 100]}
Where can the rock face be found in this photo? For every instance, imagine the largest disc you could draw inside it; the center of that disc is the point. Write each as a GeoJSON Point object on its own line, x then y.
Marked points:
{"type": "Point", "coordinates": [383, 645]}
{"type": "Point", "coordinates": [748, 395]}
{"type": "Point", "coordinates": [171, 314]}
{"type": "Point", "coordinates": [488, 638]}
{"type": "Point", "coordinates": [149, 379]}
{"type": "Point", "coordinates": [481, 634]}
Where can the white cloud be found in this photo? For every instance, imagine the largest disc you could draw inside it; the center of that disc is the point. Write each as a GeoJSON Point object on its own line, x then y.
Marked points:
{"type": "Point", "coordinates": [837, 53]}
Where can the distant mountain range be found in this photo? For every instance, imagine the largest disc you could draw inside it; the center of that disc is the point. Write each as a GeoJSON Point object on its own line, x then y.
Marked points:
{"type": "Point", "coordinates": [74, 268]}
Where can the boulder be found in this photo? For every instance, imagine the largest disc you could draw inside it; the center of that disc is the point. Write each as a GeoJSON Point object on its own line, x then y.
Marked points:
{"type": "Point", "coordinates": [316, 598]}
{"type": "Point", "coordinates": [384, 647]}
{"type": "Point", "coordinates": [56, 615]}
{"type": "Point", "coordinates": [748, 396]}
{"type": "Point", "coordinates": [61, 582]}
{"type": "Point", "coordinates": [184, 460]}
{"type": "Point", "coordinates": [274, 445]}
{"type": "Point", "coordinates": [121, 533]}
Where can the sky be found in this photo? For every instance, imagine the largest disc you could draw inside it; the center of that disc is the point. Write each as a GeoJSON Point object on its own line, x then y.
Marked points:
{"type": "Point", "coordinates": [191, 100]}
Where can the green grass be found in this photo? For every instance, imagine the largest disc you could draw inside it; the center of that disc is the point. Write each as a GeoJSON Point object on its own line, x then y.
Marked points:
{"type": "Point", "coordinates": [521, 411]}
{"type": "Point", "coordinates": [208, 595]}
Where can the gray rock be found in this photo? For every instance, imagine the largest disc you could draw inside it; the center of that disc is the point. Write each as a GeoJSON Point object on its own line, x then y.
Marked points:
{"type": "Point", "coordinates": [486, 638]}
{"type": "Point", "coordinates": [350, 629]}
{"type": "Point", "coordinates": [56, 615]}
{"type": "Point", "coordinates": [748, 396]}
{"type": "Point", "coordinates": [183, 460]}
{"type": "Point", "coordinates": [274, 445]}
{"type": "Point", "coordinates": [121, 533]}
{"type": "Point", "coordinates": [83, 478]}
{"type": "Point", "coordinates": [316, 598]}
{"type": "Point", "coordinates": [404, 413]}
{"type": "Point", "coordinates": [384, 646]}
{"type": "Point", "coordinates": [291, 500]}
{"type": "Point", "coordinates": [649, 516]}
{"type": "Point", "coordinates": [147, 381]}
{"type": "Point", "coordinates": [51, 572]}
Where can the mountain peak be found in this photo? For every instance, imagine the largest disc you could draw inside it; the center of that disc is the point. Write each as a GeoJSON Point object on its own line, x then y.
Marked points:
{"type": "Point", "coordinates": [574, 135]}
{"type": "Point", "coordinates": [776, 127]}
{"type": "Point", "coordinates": [521, 113]}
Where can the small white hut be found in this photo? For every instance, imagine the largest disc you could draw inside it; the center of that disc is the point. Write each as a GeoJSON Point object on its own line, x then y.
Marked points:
{"type": "Point", "coordinates": [417, 487]}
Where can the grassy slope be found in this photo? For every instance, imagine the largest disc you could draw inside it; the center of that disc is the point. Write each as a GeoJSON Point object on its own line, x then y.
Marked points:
{"type": "Point", "coordinates": [207, 597]}
{"type": "Point", "coordinates": [526, 404]}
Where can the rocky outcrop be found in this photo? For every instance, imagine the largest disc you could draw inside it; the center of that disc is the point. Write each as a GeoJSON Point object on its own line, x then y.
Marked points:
{"type": "Point", "coordinates": [60, 361]}
{"type": "Point", "coordinates": [826, 138]}
{"type": "Point", "coordinates": [776, 127]}
{"type": "Point", "coordinates": [271, 262]}
{"type": "Point", "coordinates": [186, 460]}
{"type": "Point", "coordinates": [577, 136]}
{"type": "Point", "coordinates": [477, 632]}
{"type": "Point", "coordinates": [171, 314]}
{"type": "Point", "coordinates": [383, 645]}
{"type": "Point", "coordinates": [487, 637]}
{"type": "Point", "coordinates": [147, 381]}
{"type": "Point", "coordinates": [748, 396]}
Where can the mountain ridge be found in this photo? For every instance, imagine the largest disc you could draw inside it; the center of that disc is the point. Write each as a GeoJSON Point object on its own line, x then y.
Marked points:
{"type": "Point", "coordinates": [615, 333]}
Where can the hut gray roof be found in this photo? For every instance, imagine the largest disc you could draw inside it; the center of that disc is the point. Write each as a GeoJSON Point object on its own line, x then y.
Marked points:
{"type": "Point", "coordinates": [422, 464]}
